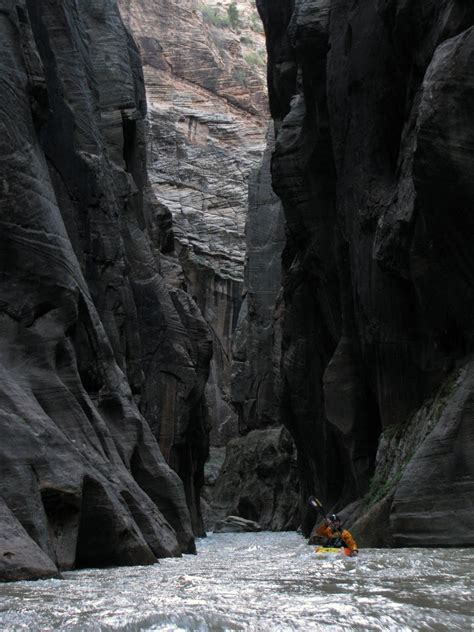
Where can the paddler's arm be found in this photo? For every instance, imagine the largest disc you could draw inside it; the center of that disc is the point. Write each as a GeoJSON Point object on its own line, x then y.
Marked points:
{"type": "Point", "coordinates": [349, 540]}
{"type": "Point", "coordinates": [324, 531]}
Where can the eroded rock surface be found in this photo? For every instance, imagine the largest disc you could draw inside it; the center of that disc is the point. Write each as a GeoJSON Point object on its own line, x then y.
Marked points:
{"type": "Point", "coordinates": [256, 349]}
{"type": "Point", "coordinates": [101, 364]}
{"type": "Point", "coordinates": [212, 470]}
{"type": "Point", "coordinates": [373, 109]}
{"type": "Point", "coordinates": [21, 558]}
{"type": "Point", "coordinates": [208, 115]}
{"type": "Point", "coordinates": [247, 485]}
{"type": "Point", "coordinates": [259, 480]}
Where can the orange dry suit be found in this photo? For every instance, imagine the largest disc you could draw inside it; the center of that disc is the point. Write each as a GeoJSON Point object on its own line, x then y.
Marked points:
{"type": "Point", "coordinates": [337, 538]}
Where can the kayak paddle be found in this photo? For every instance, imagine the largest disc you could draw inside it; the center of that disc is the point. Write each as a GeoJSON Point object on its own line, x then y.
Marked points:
{"type": "Point", "coordinates": [316, 504]}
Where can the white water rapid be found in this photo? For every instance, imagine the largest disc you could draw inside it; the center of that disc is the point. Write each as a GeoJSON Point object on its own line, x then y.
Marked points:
{"type": "Point", "coordinates": [266, 581]}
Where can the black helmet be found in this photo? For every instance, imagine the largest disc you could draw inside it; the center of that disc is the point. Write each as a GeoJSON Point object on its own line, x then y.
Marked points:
{"type": "Point", "coordinates": [334, 518]}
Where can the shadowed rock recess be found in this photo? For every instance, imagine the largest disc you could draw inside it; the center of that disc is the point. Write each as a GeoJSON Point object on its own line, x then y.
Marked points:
{"type": "Point", "coordinates": [373, 104]}
{"type": "Point", "coordinates": [103, 367]}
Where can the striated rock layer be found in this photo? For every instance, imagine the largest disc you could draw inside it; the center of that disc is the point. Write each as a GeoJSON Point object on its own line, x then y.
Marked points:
{"type": "Point", "coordinates": [101, 363]}
{"type": "Point", "coordinates": [256, 348]}
{"type": "Point", "coordinates": [259, 480]}
{"type": "Point", "coordinates": [374, 113]}
{"type": "Point", "coordinates": [208, 114]}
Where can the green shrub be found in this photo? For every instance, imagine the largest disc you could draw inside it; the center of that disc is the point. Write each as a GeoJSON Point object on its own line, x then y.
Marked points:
{"type": "Point", "coordinates": [379, 488]}
{"type": "Point", "coordinates": [256, 58]}
{"type": "Point", "coordinates": [256, 23]}
{"type": "Point", "coordinates": [233, 15]}
{"type": "Point", "coordinates": [215, 17]}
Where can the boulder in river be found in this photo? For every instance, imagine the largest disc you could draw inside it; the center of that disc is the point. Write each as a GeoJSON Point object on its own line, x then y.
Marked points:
{"type": "Point", "coordinates": [236, 524]}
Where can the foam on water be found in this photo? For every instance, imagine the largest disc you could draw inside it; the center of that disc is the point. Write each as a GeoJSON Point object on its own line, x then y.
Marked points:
{"type": "Point", "coordinates": [265, 581]}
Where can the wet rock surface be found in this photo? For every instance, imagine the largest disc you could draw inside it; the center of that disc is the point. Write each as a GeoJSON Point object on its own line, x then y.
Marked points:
{"type": "Point", "coordinates": [212, 470]}
{"type": "Point", "coordinates": [21, 558]}
{"type": "Point", "coordinates": [373, 111]}
{"type": "Point", "coordinates": [103, 366]}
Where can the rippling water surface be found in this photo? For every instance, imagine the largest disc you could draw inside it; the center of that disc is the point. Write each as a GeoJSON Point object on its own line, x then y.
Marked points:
{"type": "Point", "coordinates": [263, 581]}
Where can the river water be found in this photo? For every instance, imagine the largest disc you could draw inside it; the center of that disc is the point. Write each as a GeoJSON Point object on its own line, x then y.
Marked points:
{"type": "Point", "coordinates": [265, 581]}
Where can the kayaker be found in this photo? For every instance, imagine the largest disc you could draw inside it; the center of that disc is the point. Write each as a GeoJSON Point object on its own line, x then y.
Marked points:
{"type": "Point", "coordinates": [331, 530]}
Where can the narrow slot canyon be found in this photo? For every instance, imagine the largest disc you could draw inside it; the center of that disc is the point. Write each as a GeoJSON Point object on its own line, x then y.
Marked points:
{"type": "Point", "coordinates": [237, 298]}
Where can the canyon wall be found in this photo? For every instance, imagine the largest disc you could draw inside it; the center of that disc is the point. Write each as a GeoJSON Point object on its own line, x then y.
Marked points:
{"type": "Point", "coordinates": [373, 111]}
{"type": "Point", "coordinates": [259, 477]}
{"type": "Point", "coordinates": [103, 423]}
{"type": "Point", "coordinates": [208, 113]}
{"type": "Point", "coordinates": [208, 116]}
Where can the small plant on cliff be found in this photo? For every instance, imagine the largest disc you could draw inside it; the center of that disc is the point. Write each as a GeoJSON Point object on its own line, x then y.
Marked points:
{"type": "Point", "coordinates": [380, 488]}
{"type": "Point", "coordinates": [256, 58]}
{"type": "Point", "coordinates": [234, 16]}
{"type": "Point", "coordinates": [215, 17]}
{"type": "Point", "coordinates": [256, 23]}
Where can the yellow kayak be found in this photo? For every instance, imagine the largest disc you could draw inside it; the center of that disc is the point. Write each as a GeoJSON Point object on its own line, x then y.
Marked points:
{"type": "Point", "coordinates": [327, 550]}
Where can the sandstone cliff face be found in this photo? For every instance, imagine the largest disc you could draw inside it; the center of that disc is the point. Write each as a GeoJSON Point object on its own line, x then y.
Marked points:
{"type": "Point", "coordinates": [373, 108]}
{"type": "Point", "coordinates": [258, 480]}
{"type": "Point", "coordinates": [256, 348]}
{"type": "Point", "coordinates": [207, 111]}
{"type": "Point", "coordinates": [102, 364]}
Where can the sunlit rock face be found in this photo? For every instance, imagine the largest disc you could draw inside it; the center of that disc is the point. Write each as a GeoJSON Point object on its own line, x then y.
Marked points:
{"type": "Point", "coordinates": [208, 113]}
{"type": "Point", "coordinates": [373, 109]}
{"type": "Point", "coordinates": [102, 363]}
